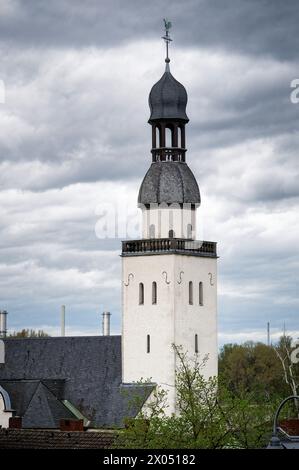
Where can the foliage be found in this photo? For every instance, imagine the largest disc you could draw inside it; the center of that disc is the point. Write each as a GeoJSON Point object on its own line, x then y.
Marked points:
{"type": "Point", "coordinates": [290, 370]}
{"type": "Point", "coordinates": [252, 368]}
{"type": "Point", "coordinates": [208, 415]}
{"type": "Point", "coordinates": [29, 334]}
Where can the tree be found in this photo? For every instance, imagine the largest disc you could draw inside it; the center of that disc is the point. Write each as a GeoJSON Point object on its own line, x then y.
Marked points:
{"type": "Point", "coordinates": [252, 368]}
{"type": "Point", "coordinates": [208, 415]}
{"type": "Point", "coordinates": [290, 370]}
{"type": "Point", "coordinates": [29, 334]}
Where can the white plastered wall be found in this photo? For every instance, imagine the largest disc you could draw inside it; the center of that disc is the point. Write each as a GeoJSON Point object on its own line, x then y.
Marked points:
{"type": "Point", "coordinates": [165, 218]}
{"type": "Point", "coordinates": [171, 320]}
{"type": "Point", "coordinates": [4, 415]}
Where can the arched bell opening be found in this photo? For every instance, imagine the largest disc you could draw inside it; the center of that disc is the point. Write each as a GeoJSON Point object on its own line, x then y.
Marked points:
{"type": "Point", "coordinates": [168, 141]}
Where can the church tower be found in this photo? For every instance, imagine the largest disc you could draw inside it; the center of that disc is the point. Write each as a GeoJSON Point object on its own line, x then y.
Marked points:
{"type": "Point", "coordinates": [169, 292]}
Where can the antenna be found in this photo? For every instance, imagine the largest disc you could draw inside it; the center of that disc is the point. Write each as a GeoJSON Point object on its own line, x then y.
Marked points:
{"type": "Point", "coordinates": [62, 320]}
{"type": "Point", "coordinates": [167, 38]}
{"type": "Point", "coordinates": [268, 333]}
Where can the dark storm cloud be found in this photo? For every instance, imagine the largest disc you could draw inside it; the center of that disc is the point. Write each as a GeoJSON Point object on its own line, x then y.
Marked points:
{"type": "Point", "coordinates": [251, 26]}
{"type": "Point", "coordinates": [71, 113]}
{"type": "Point", "coordinates": [74, 134]}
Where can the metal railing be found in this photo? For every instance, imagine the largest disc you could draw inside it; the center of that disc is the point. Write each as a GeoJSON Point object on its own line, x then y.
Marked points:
{"type": "Point", "coordinates": [171, 154]}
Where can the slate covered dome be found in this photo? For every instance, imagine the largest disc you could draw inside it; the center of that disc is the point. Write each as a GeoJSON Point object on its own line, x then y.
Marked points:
{"type": "Point", "coordinates": [169, 182]}
{"type": "Point", "coordinates": [168, 99]}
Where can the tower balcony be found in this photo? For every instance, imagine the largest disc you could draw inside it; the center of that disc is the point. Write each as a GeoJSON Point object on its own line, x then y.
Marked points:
{"type": "Point", "coordinates": [168, 154]}
{"type": "Point", "coordinates": [154, 246]}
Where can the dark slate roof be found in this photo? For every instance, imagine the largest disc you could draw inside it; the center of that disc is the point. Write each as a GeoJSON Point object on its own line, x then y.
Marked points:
{"type": "Point", "coordinates": [169, 182]}
{"type": "Point", "coordinates": [90, 367]}
{"type": "Point", "coordinates": [22, 392]}
{"type": "Point", "coordinates": [168, 99]}
{"type": "Point", "coordinates": [42, 439]}
{"type": "Point", "coordinates": [36, 403]}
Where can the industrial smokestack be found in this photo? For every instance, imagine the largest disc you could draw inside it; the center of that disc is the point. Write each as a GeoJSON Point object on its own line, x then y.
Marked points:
{"type": "Point", "coordinates": [62, 320]}
{"type": "Point", "coordinates": [3, 323]}
{"type": "Point", "coordinates": [106, 323]}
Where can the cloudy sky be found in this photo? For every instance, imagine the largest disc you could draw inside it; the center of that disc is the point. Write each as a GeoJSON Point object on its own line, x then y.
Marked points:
{"type": "Point", "coordinates": [74, 142]}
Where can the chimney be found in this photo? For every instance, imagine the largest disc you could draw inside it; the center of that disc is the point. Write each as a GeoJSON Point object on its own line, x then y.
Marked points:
{"type": "Point", "coordinates": [15, 422]}
{"type": "Point", "coordinates": [62, 320]}
{"type": "Point", "coordinates": [71, 425]}
{"type": "Point", "coordinates": [3, 323]}
{"type": "Point", "coordinates": [106, 323]}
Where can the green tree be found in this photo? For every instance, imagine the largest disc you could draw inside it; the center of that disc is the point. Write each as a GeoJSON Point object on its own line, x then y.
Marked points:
{"type": "Point", "coordinates": [28, 334]}
{"type": "Point", "coordinates": [208, 415]}
{"type": "Point", "coordinates": [252, 368]}
{"type": "Point", "coordinates": [290, 369]}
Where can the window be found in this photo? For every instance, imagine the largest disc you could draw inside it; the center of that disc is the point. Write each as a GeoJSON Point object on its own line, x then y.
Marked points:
{"type": "Point", "coordinates": [148, 344]}
{"type": "Point", "coordinates": [154, 293]}
{"type": "Point", "coordinates": [141, 294]}
{"type": "Point", "coordinates": [152, 230]}
{"type": "Point", "coordinates": [158, 144]}
{"type": "Point", "coordinates": [200, 296]}
{"type": "Point", "coordinates": [196, 344]}
{"type": "Point", "coordinates": [168, 137]}
{"type": "Point", "coordinates": [171, 233]}
{"type": "Point", "coordinates": [190, 293]}
{"type": "Point", "coordinates": [179, 137]}
{"type": "Point", "coordinates": [189, 231]}
{"type": "Point", "coordinates": [182, 137]}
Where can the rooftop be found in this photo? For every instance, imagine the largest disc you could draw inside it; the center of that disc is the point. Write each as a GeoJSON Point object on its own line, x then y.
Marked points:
{"type": "Point", "coordinates": [168, 99]}
{"type": "Point", "coordinates": [52, 439]}
{"type": "Point", "coordinates": [42, 375]}
{"type": "Point", "coordinates": [169, 182]}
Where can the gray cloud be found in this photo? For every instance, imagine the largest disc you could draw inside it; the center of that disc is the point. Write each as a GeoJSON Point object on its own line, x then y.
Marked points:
{"type": "Point", "coordinates": [74, 134]}
{"type": "Point", "coordinates": [254, 27]}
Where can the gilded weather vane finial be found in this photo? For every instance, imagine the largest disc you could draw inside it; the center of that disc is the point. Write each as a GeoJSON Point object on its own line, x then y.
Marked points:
{"type": "Point", "coordinates": [167, 38]}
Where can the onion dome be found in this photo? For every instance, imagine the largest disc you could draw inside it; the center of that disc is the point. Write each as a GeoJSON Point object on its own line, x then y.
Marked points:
{"type": "Point", "coordinates": [168, 98]}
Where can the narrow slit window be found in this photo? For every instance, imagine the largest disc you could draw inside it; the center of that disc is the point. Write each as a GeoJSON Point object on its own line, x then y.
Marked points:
{"type": "Point", "coordinates": [196, 344]}
{"type": "Point", "coordinates": [189, 231]}
{"type": "Point", "coordinates": [141, 293]}
{"type": "Point", "coordinates": [190, 293]}
{"type": "Point", "coordinates": [148, 344]}
{"type": "Point", "coordinates": [154, 293]}
{"type": "Point", "coordinates": [171, 233]}
{"type": "Point", "coordinates": [200, 296]}
{"type": "Point", "coordinates": [152, 230]}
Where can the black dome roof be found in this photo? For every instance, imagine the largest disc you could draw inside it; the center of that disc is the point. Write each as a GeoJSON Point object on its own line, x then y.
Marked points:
{"type": "Point", "coordinates": [169, 182]}
{"type": "Point", "coordinates": [168, 99]}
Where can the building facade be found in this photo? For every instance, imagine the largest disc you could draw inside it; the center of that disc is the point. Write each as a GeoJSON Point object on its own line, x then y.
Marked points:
{"type": "Point", "coordinates": [169, 293]}
{"type": "Point", "coordinates": [169, 297]}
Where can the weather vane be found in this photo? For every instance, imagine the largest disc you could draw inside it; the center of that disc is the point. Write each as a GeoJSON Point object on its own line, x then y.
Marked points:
{"type": "Point", "coordinates": [167, 38]}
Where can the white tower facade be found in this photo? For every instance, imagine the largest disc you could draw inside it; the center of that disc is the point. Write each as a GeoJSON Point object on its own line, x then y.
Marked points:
{"type": "Point", "coordinates": [169, 288]}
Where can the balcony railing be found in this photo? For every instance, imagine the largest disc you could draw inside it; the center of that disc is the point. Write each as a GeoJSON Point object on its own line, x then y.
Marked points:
{"type": "Point", "coordinates": [168, 154]}
{"type": "Point", "coordinates": [169, 245]}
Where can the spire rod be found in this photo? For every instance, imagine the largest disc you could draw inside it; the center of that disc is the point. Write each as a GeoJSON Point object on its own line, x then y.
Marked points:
{"type": "Point", "coordinates": [166, 37]}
